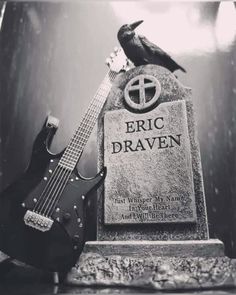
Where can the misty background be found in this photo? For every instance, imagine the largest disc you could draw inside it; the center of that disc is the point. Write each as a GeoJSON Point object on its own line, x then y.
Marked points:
{"type": "Point", "coordinates": [52, 60]}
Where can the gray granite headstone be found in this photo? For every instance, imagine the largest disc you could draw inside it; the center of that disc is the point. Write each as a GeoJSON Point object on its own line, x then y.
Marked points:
{"type": "Point", "coordinates": [154, 187]}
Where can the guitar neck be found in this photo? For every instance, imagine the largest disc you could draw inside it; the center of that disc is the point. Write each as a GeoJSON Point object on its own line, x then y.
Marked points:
{"type": "Point", "coordinates": [78, 141]}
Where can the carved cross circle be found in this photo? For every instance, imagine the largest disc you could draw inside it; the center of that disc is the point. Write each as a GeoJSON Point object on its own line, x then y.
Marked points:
{"type": "Point", "coordinates": [148, 89]}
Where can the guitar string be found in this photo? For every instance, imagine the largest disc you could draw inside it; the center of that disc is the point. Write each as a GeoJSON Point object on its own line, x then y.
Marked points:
{"type": "Point", "coordinates": [85, 121]}
{"type": "Point", "coordinates": [54, 184]}
{"type": "Point", "coordinates": [56, 180]}
{"type": "Point", "coordinates": [88, 124]}
{"type": "Point", "coordinates": [63, 180]}
{"type": "Point", "coordinates": [76, 133]}
{"type": "Point", "coordinates": [57, 193]}
{"type": "Point", "coordinates": [84, 137]}
{"type": "Point", "coordinates": [54, 190]}
{"type": "Point", "coordinates": [73, 148]}
{"type": "Point", "coordinates": [60, 189]}
{"type": "Point", "coordinates": [57, 190]}
{"type": "Point", "coordinates": [52, 178]}
{"type": "Point", "coordinates": [50, 181]}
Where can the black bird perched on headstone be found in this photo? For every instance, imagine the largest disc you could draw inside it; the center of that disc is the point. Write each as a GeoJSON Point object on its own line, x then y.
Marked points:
{"type": "Point", "coordinates": [141, 51]}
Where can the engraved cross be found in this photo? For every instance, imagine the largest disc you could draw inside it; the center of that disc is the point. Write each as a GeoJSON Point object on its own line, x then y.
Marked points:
{"type": "Point", "coordinates": [141, 86]}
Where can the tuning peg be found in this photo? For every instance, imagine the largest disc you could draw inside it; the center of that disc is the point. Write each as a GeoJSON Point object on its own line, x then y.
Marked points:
{"type": "Point", "coordinates": [112, 55]}
{"type": "Point", "coordinates": [116, 49]}
{"type": "Point", "coordinates": [108, 61]}
{"type": "Point", "coordinates": [129, 63]}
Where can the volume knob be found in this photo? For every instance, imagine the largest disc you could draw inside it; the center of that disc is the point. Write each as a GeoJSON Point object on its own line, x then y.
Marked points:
{"type": "Point", "coordinates": [66, 217]}
{"type": "Point", "coordinates": [76, 238]}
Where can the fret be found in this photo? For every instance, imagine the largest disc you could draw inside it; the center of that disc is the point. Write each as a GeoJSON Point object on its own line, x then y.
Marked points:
{"type": "Point", "coordinates": [92, 116]}
{"type": "Point", "coordinates": [68, 159]}
{"type": "Point", "coordinates": [81, 141]}
{"type": "Point", "coordinates": [82, 135]}
{"type": "Point", "coordinates": [94, 105]}
{"type": "Point", "coordinates": [65, 165]}
{"type": "Point", "coordinates": [102, 92]}
{"type": "Point", "coordinates": [89, 121]}
{"type": "Point", "coordinates": [73, 153]}
{"type": "Point", "coordinates": [99, 100]}
{"type": "Point", "coordinates": [71, 156]}
{"type": "Point", "coordinates": [83, 131]}
{"type": "Point", "coordinates": [95, 112]}
{"type": "Point", "coordinates": [73, 149]}
{"type": "Point", "coordinates": [86, 124]}
{"type": "Point", "coordinates": [106, 86]}
{"type": "Point", "coordinates": [99, 103]}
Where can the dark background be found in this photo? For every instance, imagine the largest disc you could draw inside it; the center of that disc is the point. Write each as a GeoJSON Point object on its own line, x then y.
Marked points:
{"type": "Point", "coordinates": [52, 61]}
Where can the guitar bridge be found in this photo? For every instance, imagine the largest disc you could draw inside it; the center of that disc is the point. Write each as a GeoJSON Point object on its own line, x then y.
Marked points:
{"type": "Point", "coordinates": [37, 221]}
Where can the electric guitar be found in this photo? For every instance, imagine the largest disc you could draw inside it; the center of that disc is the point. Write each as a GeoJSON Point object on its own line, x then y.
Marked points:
{"type": "Point", "coordinates": [42, 214]}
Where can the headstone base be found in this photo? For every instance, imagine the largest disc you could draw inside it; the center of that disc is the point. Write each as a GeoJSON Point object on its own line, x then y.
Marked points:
{"type": "Point", "coordinates": [190, 248]}
{"type": "Point", "coordinates": [156, 265]}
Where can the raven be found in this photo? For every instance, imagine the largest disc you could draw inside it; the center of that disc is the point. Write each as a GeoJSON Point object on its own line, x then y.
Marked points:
{"type": "Point", "coordinates": [141, 51]}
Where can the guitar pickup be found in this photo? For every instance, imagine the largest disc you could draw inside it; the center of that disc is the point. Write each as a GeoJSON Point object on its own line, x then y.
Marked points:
{"type": "Point", "coordinates": [38, 221]}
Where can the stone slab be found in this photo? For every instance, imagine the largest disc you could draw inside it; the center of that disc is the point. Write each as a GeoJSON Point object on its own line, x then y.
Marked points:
{"type": "Point", "coordinates": [149, 166]}
{"type": "Point", "coordinates": [209, 248]}
{"type": "Point", "coordinates": [171, 90]}
{"type": "Point", "coordinates": [154, 273]}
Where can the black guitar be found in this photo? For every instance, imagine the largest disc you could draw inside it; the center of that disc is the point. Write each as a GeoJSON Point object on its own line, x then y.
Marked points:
{"type": "Point", "coordinates": [42, 218]}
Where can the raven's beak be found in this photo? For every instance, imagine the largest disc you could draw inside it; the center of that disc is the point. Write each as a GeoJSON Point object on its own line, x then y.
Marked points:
{"type": "Point", "coordinates": [135, 24]}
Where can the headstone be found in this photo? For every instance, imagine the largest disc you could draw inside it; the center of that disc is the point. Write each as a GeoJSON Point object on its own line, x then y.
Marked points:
{"type": "Point", "coordinates": [152, 227]}
{"type": "Point", "coordinates": [154, 187]}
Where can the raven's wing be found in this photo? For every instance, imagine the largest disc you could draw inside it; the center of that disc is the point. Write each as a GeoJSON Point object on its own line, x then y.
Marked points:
{"type": "Point", "coordinates": [154, 50]}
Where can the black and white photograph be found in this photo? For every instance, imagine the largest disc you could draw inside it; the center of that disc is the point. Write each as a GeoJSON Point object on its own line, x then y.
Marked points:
{"type": "Point", "coordinates": [117, 147]}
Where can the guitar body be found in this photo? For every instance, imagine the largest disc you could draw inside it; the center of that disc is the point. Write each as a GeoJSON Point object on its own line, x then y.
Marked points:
{"type": "Point", "coordinates": [24, 231]}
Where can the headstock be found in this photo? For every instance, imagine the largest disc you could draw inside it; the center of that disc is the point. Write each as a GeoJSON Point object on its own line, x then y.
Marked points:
{"type": "Point", "coordinates": [118, 61]}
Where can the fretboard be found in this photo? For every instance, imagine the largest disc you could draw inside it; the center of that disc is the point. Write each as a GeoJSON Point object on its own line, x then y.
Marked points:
{"type": "Point", "coordinates": [77, 143]}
